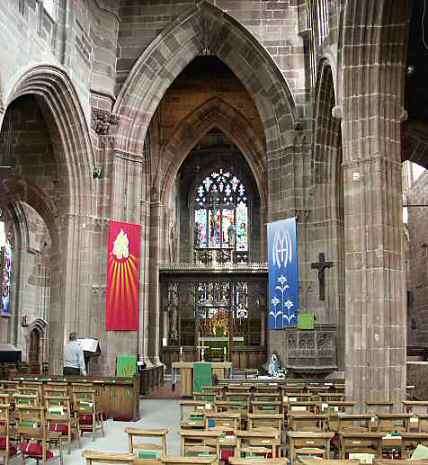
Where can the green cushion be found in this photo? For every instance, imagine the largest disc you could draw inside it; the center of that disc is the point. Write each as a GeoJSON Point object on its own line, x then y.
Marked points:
{"type": "Point", "coordinates": [56, 410]}
{"type": "Point", "coordinates": [149, 454]}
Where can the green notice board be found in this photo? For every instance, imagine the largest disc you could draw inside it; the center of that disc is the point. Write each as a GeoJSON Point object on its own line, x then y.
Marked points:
{"type": "Point", "coordinates": [306, 321]}
{"type": "Point", "coordinates": [126, 365]}
{"type": "Point", "coordinates": [202, 375]}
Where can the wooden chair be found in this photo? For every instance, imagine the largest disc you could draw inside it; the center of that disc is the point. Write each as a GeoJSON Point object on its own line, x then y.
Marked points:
{"type": "Point", "coordinates": [117, 458]}
{"type": "Point", "coordinates": [256, 461]}
{"type": "Point", "coordinates": [90, 419]}
{"type": "Point", "coordinates": [356, 422]}
{"type": "Point", "coordinates": [7, 449]}
{"type": "Point", "coordinates": [317, 461]}
{"type": "Point", "coordinates": [258, 421]}
{"type": "Point", "coordinates": [147, 450]}
{"type": "Point", "coordinates": [179, 460]}
{"type": "Point", "coordinates": [390, 422]}
{"type": "Point", "coordinates": [258, 443]}
{"type": "Point", "coordinates": [243, 397]}
{"type": "Point", "coordinates": [187, 406]}
{"type": "Point", "coordinates": [225, 421]}
{"type": "Point", "coordinates": [26, 399]}
{"type": "Point", "coordinates": [331, 396]}
{"type": "Point", "coordinates": [306, 421]}
{"type": "Point", "coordinates": [31, 389]}
{"type": "Point", "coordinates": [35, 440]}
{"type": "Point", "coordinates": [200, 443]}
{"type": "Point", "coordinates": [362, 442]}
{"type": "Point", "coordinates": [303, 406]}
{"type": "Point", "coordinates": [262, 406]}
{"type": "Point", "coordinates": [411, 440]}
{"type": "Point", "coordinates": [205, 396]}
{"type": "Point", "coordinates": [307, 443]}
{"type": "Point", "coordinates": [379, 406]}
{"type": "Point", "coordinates": [232, 406]}
{"type": "Point", "coordinates": [60, 419]}
{"type": "Point", "coordinates": [56, 390]}
{"type": "Point", "coordinates": [267, 396]}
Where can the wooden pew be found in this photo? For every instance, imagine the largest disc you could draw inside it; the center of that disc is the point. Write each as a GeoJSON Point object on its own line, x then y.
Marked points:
{"type": "Point", "coordinates": [117, 397]}
{"type": "Point", "coordinates": [309, 443]}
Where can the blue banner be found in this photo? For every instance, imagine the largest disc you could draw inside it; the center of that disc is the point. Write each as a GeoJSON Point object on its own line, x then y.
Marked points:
{"type": "Point", "coordinates": [283, 274]}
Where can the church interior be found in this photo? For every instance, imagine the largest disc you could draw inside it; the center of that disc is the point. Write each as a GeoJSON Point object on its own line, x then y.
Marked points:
{"type": "Point", "coordinates": [227, 202]}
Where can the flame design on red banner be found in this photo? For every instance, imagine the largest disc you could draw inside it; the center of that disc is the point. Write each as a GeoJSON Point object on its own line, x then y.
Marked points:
{"type": "Point", "coordinates": [123, 283]}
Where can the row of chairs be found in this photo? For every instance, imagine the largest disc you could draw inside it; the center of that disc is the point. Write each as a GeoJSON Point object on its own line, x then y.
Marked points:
{"type": "Point", "coordinates": [37, 418]}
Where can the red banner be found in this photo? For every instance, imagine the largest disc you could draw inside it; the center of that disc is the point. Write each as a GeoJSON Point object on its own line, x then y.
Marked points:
{"type": "Point", "coordinates": [123, 277]}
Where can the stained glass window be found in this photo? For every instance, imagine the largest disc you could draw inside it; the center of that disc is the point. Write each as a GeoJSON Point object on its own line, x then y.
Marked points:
{"type": "Point", "coordinates": [221, 213]}
{"type": "Point", "coordinates": [6, 265]}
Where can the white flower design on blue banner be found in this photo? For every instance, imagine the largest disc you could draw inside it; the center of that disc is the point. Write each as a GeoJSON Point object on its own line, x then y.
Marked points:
{"type": "Point", "coordinates": [283, 274]}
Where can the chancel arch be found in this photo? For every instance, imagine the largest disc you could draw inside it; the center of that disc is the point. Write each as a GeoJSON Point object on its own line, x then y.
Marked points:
{"type": "Point", "coordinates": [203, 31]}
{"type": "Point", "coordinates": [216, 206]}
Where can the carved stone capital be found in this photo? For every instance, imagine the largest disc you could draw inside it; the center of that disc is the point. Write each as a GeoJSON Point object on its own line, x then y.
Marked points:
{"type": "Point", "coordinates": [101, 120]}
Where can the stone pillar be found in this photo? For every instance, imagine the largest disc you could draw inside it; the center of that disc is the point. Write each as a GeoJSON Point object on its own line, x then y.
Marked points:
{"type": "Point", "coordinates": [375, 282]}
{"type": "Point", "coordinates": [375, 306]}
{"type": "Point", "coordinates": [156, 215]}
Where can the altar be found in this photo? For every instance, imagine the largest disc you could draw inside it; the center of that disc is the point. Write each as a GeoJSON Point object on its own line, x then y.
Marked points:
{"type": "Point", "coordinates": [219, 369]}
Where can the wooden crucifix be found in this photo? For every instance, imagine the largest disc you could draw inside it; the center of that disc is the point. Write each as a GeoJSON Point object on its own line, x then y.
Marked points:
{"type": "Point", "coordinates": [321, 266]}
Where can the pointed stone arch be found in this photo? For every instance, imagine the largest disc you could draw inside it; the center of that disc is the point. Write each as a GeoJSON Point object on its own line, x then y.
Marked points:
{"type": "Point", "coordinates": [60, 107]}
{"type": "Point", "coordinates": [204, 29]}
{"type": "Point", "coordinates": [65, 118]}
{"type": "Point", "coordinates": [214, 113]}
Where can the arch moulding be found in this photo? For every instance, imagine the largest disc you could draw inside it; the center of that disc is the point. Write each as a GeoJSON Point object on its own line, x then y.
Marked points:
{"type": "Point", "coordinates": [204, 30]}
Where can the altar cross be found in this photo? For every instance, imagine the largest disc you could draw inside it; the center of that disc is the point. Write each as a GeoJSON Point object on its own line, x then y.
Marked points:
{"type": "Point", "coordinates": [321, 266]}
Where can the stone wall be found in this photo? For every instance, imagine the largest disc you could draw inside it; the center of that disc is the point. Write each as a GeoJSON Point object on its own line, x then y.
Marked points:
{"type": "Point", "coordinates": [418, 261]}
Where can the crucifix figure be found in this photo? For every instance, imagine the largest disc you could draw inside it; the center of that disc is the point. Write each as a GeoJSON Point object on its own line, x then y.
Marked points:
{"type": "Point", "coordinates": [321, 267]}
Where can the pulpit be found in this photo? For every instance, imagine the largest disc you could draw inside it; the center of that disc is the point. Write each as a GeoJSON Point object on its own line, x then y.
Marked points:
{"type": "Point", "coordinates": [219, 369]}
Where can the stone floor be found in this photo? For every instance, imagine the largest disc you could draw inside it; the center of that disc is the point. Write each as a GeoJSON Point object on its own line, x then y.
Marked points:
{"type": "Point", "coordinates": [154, 414]}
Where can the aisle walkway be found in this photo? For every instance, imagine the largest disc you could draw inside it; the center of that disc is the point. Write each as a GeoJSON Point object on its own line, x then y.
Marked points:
{"type": "Point", "coordinates": [154, 414]}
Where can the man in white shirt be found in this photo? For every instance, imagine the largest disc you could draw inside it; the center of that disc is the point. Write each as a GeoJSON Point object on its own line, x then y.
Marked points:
{"type": "Point", "coordinates": [74, 360]}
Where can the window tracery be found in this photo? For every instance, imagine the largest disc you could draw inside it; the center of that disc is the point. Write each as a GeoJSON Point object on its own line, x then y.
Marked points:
{"type": "Point", "coordinates": [221, 214]}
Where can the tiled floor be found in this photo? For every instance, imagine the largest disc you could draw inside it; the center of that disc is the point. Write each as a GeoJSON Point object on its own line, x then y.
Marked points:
{"type": "Point", "coordinates": [154, 414]}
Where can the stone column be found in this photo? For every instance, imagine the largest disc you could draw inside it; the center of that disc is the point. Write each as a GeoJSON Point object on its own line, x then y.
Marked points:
{"type": "Point", "coordinates": [375, 282]}
{"type": "Point", "coordinates": [375, 306]}
{"type": "Point", "coordinates": [156, 215]}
